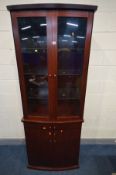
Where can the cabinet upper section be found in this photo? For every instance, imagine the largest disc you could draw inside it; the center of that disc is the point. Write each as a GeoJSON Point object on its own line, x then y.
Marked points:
{"type": "Point", "coordinates": [50, 6]}
{"type": "Point", "coordinates": [52, 43]}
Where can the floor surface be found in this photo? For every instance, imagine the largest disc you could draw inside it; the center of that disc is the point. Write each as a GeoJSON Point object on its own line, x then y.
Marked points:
{"type": "Point", "coordinates": [94, 160]}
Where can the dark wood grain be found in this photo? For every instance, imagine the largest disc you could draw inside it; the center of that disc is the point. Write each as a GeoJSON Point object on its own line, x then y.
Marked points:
{"type": "Point", "coordinates": [49, 6]}
{"type": "Point", "coordinates": [53, 141]}
{"type": "Point", "coordinates": [53, 168]}
{"type": "Point", "coordinates": [49, 144]}
{"type": "Point", "coordinates": [66, 141]}
{"type": "Point", "coordinates": [52, 67]}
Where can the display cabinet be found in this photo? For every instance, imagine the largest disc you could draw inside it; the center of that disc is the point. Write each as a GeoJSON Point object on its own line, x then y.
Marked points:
{"type": "Point", "coordinates": [52, 43]}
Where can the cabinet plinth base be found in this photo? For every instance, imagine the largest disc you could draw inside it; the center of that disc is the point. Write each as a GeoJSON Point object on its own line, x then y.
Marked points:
{"type": "Point", "coordinates": [52, 168]}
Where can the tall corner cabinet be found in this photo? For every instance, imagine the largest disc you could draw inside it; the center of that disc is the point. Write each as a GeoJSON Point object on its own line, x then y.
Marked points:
{"type": "Point", "coordinates": [52, 43]}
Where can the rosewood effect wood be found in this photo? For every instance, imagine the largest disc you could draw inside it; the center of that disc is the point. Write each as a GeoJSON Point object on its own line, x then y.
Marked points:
{"type": "Point", "coordinates": [49, 6]}
{"type": "Point", "coordinates": [52, 43]}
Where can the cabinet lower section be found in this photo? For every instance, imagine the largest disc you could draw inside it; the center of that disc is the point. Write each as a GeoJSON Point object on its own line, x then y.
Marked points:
{"type": "Point", "coordinates": [53, 146]}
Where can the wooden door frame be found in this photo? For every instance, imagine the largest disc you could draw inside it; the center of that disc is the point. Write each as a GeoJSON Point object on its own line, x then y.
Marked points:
{"type": "Point", "coordinates": [80, 14]}
{"type": "Point", "coordinates": [51, 18]}
{"type": "Point", "coordinates": [14, 16]}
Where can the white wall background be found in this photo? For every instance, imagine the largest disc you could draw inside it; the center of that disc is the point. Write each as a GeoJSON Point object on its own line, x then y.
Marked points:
{"type": "Point", "coordinates": [100, 106]}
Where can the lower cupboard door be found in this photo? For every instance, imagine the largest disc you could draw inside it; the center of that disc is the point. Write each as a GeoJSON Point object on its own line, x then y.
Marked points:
{"type": "Point", "coordinates": [40, 155]}
{"type": "Point", "coordinates": [66, 154]}
{"type": "Point", "coordinates": [66, 146]}
{"type": "Point", "coordinates": [52, 146]}
{"type": "Point", "coordinates": [39, 145]}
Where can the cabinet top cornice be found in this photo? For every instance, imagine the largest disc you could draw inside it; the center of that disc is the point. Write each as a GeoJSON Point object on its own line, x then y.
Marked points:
{"type": "Point", "coordinates": [50, 6]}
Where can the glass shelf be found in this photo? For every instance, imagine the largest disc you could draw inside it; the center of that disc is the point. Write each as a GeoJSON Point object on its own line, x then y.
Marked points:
{"type": "Point", "coordinates": [35, 71]}
{"type": "Point", "coordinates": [70, 75]}
{"type": "Point", "coordinates": [25, 48]}
{"type": "Point", "coordinates": [35, 74]}
{"type": "Point", "coordinates": [69, 72]}
{"type": "Point", "coordinates": [37, 98]}
{"type": "Point", "coordinates": [68, 99]}
{"type": "Point", "coordinates": [68, 93]}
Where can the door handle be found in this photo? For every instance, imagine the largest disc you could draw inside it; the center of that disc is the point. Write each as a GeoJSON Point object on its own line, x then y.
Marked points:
{"type": "Point", "coordinates": [50, 75]}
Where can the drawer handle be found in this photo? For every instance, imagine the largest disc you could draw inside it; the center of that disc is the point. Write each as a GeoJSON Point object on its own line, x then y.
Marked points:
{"type": "Point", "coordinates": [50, 75]}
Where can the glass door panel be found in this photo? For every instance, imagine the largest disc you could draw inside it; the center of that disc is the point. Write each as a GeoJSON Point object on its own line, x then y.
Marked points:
{"type": "Point", "coordinates": [71, 42]}
{"type": "Point", "coordinates": [33, 39]}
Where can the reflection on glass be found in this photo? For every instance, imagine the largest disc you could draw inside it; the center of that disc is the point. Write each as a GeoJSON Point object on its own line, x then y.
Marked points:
{"type": "Point", "coordinates": [33, 40]}
{"type": "Point", "coordinates": [71, 42]}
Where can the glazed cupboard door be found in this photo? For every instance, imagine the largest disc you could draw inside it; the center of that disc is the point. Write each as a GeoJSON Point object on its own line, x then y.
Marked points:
{"type": "Point", "coordinates": [32, 33]}
{"type": "Point", "coordinates": [52, 53]}
{"type": "Point", "coordinates": [72, 62]}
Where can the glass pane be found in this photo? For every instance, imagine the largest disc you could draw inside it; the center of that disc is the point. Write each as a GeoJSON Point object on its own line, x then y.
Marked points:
{"type": "Point", "coordinates": [33, 40]}
{"type": "Point", "coordinates": [71, 42]}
